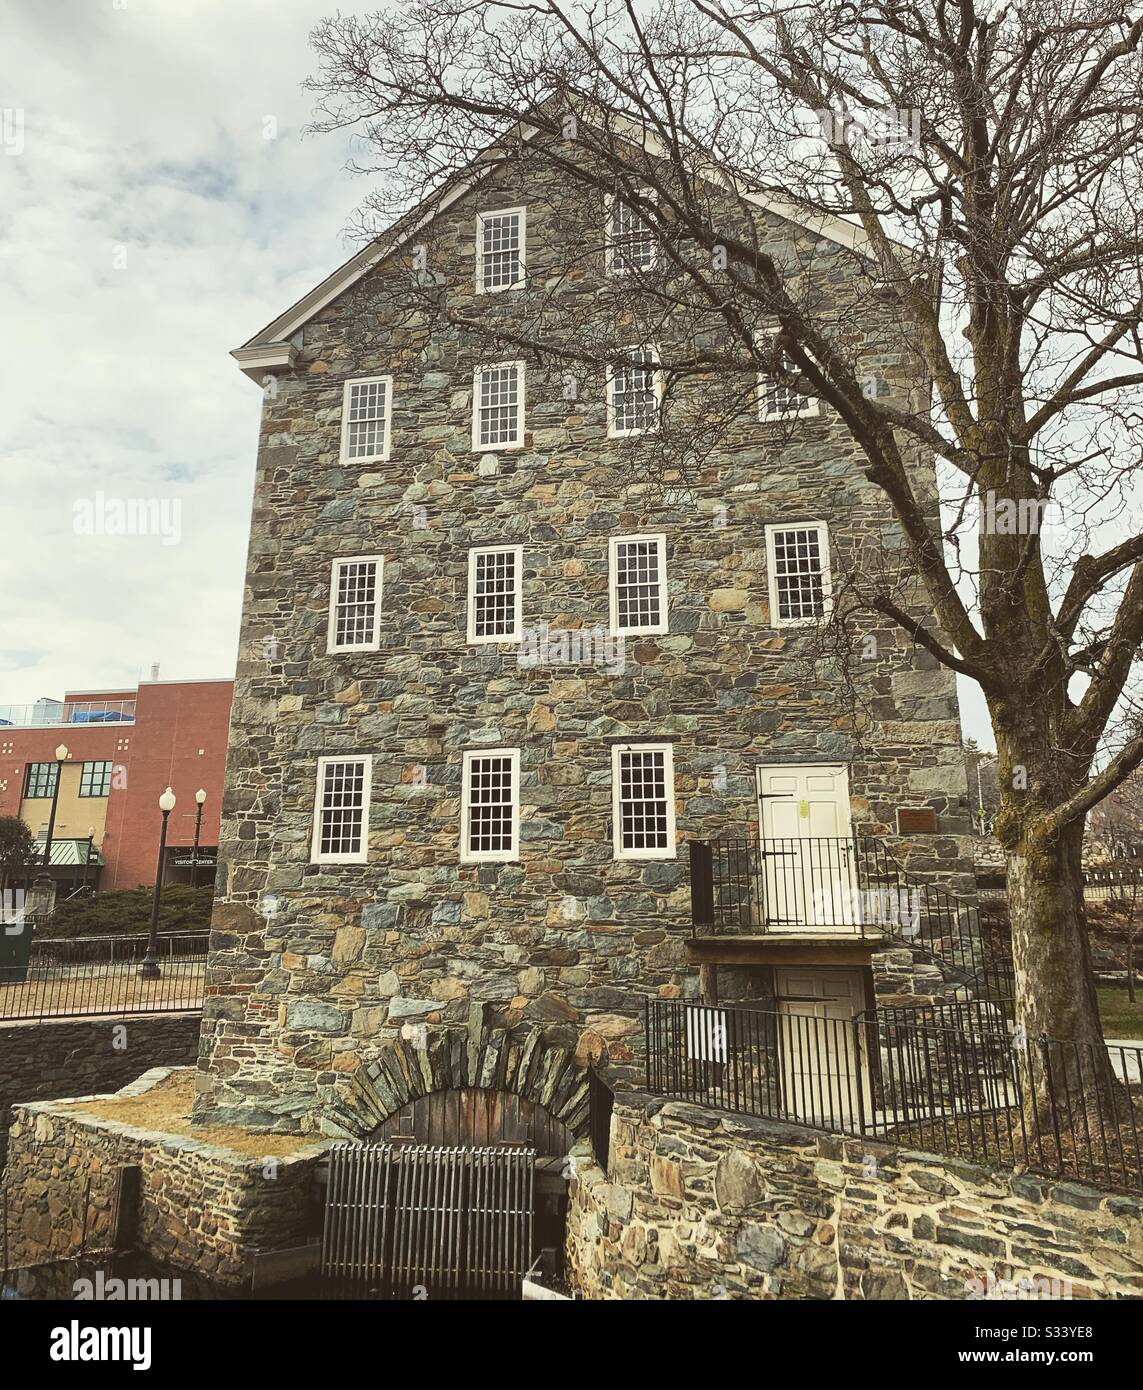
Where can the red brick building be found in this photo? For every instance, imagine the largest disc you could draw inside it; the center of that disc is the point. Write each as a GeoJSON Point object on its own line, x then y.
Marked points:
{"type": "Point", "coordinates": [124, 747]}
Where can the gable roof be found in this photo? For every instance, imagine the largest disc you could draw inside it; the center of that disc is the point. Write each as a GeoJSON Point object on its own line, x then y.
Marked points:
{"type": "Point", "coordinates": [271, 347]}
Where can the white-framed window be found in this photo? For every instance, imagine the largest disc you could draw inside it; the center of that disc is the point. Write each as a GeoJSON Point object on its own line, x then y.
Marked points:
{"type": "Point", "coordinates": [781, 400]}
{"type": "Point", "coordinates": [797, 561]}
{"type": "Point", "coordinates": [355, 604]}
{"type": "Point", "coordinates": [495, 593]}
{"type": "Point", "coordinates": [498, 406]}
{"type": "Point", "coordinates": [631, 242]}
{"type": "Point", "coordinates": [643, 800]}
{"type": "Point", "coordinates": [490, 806]}
{"type": "Point", "coordinates": [634, 393]}
{"type": "Point", "coordinates": [341, 811]}
{"type": "Point", "coordinates": [500, 244]}
{"type": "Point", "coordinates": [637, 584]}
{"type": "Point", "coordinates": [366, 411]}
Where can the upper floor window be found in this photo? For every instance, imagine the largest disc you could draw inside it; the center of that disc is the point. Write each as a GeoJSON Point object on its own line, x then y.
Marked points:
{"type": "Point", "coordinates": [490, 806]}
{"type": "Point", "coordinates": [498, 406]}
{"type": "Point", "coordinates": [781, 400]}
{"type": "Point", "coordinates": [638, 584]}
{"type": "Point", "coordinates": [495, 600]}
{"type": "Point", "coordinates": [643, 801]}
{"type": "Point", "coordinates": [631, 244]}
{"type": "Point", "coordinates": [40, 779]}
{"type": "Point", "coordinates": [341, 811]}
{"type": "Point", "coordinates": [797, 559]}
{"type": "Point", "coordinates": [95, 779]}
{"type": "Point", "coordinates": [365, 413]}
{"type": "Point", "coordinates": [634, 389]}
{"type": "Point", "coordinates": [355, 604]}
{"type": "Point", "coordinates": [499, 250]}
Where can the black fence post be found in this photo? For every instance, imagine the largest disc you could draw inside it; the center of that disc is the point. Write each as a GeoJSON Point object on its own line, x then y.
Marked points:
{"type": "Point", "coordinates": [702, 886]}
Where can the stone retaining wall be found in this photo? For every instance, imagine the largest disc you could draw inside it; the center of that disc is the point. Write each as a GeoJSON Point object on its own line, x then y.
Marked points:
{"type": "Point", "coordinates": [202, 1207]}
{"type": "Point", "coordinates": [700, 1204]}
{"type": "Point", "coordinates": [55, 1058]}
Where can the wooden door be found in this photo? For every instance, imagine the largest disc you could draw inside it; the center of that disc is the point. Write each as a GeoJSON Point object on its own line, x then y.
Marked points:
{"type": "Point", "coordinates": [808, 874]}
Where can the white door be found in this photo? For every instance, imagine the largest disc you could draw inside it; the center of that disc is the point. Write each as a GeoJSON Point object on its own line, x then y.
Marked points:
{"type": "Point", "coordinates": [808, 872]}
{"type": "Point", "coordinates": [821, 1050]}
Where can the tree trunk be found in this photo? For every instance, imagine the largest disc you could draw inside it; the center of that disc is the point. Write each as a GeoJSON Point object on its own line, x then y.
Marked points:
{"type": "Point", "coordinates": [1065, 1065]}
{"type": "Point", "coordinates": [1131, 968]}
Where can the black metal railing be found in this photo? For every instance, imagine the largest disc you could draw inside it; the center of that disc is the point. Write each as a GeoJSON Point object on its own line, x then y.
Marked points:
{"type": "Point", "coordinates": [68, 977]}
{"type": "Point", "coordinates": [600, 1103]}
{"type": "Point", "coordinates": [849, 885]}
{"type": "Point", "coordinates": [957, 1081]}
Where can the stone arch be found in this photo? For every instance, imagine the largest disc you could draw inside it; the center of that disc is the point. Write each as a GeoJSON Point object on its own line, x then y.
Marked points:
{"type": "Point", "coordinates": [530, 1065]}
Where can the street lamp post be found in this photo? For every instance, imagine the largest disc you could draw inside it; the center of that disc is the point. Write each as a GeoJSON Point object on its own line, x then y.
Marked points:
{"type": "Point", "coordinates": [90, 847]}
{"type": "Point", "coordinates": [200, 797]}
{"type": "Point", "coordinates": [149, 970]}
{"type": "Point", "coordinates": [61, 758]}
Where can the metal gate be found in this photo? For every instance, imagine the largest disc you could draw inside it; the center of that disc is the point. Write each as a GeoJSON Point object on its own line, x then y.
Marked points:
{"type": "Point", "coordinates": [403, 1217]}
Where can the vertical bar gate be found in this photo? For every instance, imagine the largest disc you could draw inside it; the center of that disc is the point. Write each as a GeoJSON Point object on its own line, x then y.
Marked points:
{"type": "Point", "coordinates": [453, 1220]}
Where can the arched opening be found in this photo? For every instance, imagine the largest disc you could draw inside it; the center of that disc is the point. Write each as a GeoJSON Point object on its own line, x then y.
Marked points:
{"type": "Point", "coordinates": [473, 1115]}
{"type": "Point", "coordinates": [482, 1117]}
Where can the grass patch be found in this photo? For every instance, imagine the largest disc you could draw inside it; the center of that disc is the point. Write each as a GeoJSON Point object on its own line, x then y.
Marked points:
{"type": "Point", "coordinates": [1121, 1018]}
{"type": "Point", "coordinates": [167, 1106]}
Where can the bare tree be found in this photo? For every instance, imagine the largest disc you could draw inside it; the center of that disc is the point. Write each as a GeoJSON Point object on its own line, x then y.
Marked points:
{"type": "Point", "coordinates": [986, 162]}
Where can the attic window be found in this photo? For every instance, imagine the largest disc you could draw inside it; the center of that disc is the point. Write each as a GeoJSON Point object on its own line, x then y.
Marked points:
{"type": "Point", "coordinates": [630, 240]}
{"type": "Point", "coordinates": [499, 250]}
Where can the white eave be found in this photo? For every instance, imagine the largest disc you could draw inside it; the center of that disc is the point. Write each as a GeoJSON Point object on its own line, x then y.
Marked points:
{"type": "Point", "coordinates": [256, 361]}
{"type": "Point", "coordinates": [270, 350]}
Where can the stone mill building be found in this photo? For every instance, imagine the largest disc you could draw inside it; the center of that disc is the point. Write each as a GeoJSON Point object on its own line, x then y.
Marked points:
{"type": "Point", "coordinates": [502, 714]}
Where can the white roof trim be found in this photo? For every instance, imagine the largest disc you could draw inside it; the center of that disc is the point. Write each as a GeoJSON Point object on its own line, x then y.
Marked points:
{"type": "Point", "coordinates": [300, 313]}
{"type": "Point", "coordinates": [252, 355]}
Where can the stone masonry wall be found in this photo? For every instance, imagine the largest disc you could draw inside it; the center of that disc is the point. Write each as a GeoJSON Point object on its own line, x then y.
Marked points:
{"type": "Point", "coordinates": [704, 1205]}
{"type": "Point", "coordinates": [202, 1208]}
{"type": "Point", "coordinates": [567, 940]}
{"type": "Point", "coordinates": [55, 1058]}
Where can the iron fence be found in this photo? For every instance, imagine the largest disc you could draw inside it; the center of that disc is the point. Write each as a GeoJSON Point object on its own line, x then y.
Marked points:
{"type": "Point", "coordinates": [955, 1081]}
{"type": "Point", "coordinates": [1122, 882]}
{"type": "Point", "coordinates": [100, 976]}
{"type": "Point", "coordinates": [850, 885]}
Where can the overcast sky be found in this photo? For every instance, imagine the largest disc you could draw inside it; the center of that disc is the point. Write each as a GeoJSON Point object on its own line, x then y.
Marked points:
{"type": "Point", "coordinates": [148, 226]}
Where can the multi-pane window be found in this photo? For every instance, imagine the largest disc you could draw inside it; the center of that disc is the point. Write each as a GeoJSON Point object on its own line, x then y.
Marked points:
{"type": "Point", "coordinates": [499, 250]}
{"type": "Point", "coordinates": [490, 805]}
{"type": "Point", "coordinates": [781, 400]}
{"type": "Point", "coordinates": [95, 779]}
{"type": "Point", "coordinates": [355, 604]}
{"type": "Point", "coordinates": [798, 562]}
{"type": "Point", "coordinates": [638, 584]}
{"type": "Point", "coordinates": [630, 240]}
{"type": "Point", "coordinates": [40, 779]}
{"type": "Point", "coordinates": [643, 801]}
{"type": "Point", "coordinates": [494, 593]}
{"type": "Point", "coordinates": [365, 419]}
{"type": "Point", "coordinates": [633, 389]}
{"type": "Point", "coordinates": [498, 406]}
{"type": "Point", "coordinates": [341, 811]}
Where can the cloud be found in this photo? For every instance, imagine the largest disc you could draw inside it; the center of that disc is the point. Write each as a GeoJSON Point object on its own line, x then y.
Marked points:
{"type": "Point", "coordinates": [148, 227]}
